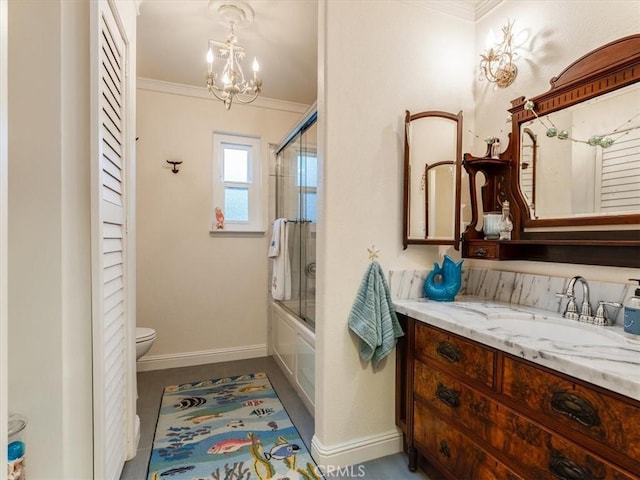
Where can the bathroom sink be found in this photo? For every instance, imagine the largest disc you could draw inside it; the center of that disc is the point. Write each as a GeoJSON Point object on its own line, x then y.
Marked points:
{"type": "Point", "coordinates": [565, 331]}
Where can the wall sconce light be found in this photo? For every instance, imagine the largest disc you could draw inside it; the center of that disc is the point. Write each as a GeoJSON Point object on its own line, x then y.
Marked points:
{"type": "Point", "coordinates": [175, 164]}
{"type": "Point", "coordinates": [497, 61]}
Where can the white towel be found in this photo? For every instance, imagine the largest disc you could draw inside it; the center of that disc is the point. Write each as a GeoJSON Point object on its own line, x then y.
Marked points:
{"type": "Point", "coordinates": [274, 246]}
{"type": "Point", "coordinates": [279, 252]}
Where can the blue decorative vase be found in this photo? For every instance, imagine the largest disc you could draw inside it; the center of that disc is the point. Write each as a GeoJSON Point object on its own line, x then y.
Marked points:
{"type": "Point", "coordinates": [443, 283]}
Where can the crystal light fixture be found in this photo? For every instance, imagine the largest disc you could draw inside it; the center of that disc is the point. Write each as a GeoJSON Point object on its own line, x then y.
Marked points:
{"type": "Point", "coordinates": [230, 84]}
{"type": "Point", "coordinates": [497, 61]}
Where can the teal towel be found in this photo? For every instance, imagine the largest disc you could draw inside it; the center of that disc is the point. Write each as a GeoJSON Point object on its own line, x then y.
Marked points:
{"type": "Point", "coordinates": [373, 317]}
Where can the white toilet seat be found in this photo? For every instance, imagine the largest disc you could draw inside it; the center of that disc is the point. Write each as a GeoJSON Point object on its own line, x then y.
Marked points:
{"type": "Point", "coordinates": [144, 334]}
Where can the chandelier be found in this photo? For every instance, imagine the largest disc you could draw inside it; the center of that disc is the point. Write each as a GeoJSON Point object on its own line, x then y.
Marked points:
{"type": "Point", "coordinates": [497, 62]}
{"type": "Point", "coordinates": [230, 84]}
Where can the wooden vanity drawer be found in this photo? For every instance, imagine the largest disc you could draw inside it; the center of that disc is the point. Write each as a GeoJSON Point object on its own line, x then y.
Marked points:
{"type": "Point", "coordinates": [539, 452]}
{"type": "Point", "coordinates": [480, 249]}
{"type": "Point", "coordinates": [544, 455]}
{"type": "Point", "coordinates": [450, 449]}
{"type": "Point", "coordinates": [451, 398]}
{"type": "Point", "coordinates": [455, 354]}
{"type": "Point", "coordinates": [608, 420]}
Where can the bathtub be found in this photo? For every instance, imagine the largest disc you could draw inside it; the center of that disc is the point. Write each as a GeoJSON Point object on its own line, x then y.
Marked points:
{"type": "Point", "coordinates": [307, 311]}
{"type": "Point", "coordinates": [293, 346]}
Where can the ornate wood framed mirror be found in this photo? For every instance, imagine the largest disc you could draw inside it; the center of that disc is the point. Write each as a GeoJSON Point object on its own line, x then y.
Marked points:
{"type": "Point", "coordinates": [582, 140]}
{"type": "Point", "coordinates": [432, 161]}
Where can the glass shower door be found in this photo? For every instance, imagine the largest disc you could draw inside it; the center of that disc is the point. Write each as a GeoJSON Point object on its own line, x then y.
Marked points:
{"type": "Point", "coordinates": [308, 190]}
{"type": "Point", "coordinates": [296, 185]}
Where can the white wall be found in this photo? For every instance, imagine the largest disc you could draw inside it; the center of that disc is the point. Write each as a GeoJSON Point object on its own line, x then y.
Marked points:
{"type": "Point", "coordinates": [558, 33]}
{"type": "Point", "coordinates": [396, 56]}
{"type": "Point", "coordinates": [202, 293]}
{"type": "Point", "coordinates": [49, 268]}
{"type": "Point", "coordinates": [4, 357]}
{"type": "Point", "coordinates": [50, 346]}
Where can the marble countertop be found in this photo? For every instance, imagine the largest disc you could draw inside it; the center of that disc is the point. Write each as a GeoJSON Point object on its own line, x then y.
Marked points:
{"type": "Point", "coordinates": [603, 356]}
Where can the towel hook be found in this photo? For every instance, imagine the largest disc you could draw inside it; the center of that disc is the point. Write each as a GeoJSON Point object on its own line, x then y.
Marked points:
{"type": "Point", "coordinates": [373, 252]}
{"type": "Point", "coordinates": [175, 164]}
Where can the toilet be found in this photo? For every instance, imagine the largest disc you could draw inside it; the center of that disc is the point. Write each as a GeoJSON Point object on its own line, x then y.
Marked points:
{"type": "Point", "coordinates": [144, 339]}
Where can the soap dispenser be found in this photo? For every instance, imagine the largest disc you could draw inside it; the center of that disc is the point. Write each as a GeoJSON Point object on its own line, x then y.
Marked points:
{"type": "Point", "coordinates": [632, 313]}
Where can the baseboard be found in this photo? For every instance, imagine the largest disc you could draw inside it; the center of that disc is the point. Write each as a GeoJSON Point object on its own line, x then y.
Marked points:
{"type": "Point", "coordinates": [189, 359]}
{"type": "Point", "coordinates": [356, 451]}
{"type": "Point", "coordinates": [133, 449]}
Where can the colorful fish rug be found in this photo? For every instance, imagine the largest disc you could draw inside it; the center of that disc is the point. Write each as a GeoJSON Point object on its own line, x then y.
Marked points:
{"type": "Point", "coordinates": [231, 428]}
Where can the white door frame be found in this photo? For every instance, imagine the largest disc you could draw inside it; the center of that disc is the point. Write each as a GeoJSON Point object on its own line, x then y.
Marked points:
{"type": "Point", "coordinates": [4, 344]}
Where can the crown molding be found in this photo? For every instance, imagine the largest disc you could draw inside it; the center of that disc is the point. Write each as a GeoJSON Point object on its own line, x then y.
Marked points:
{"type": "Point", "coordinates": [485, 6]}
{"type": "Point", "coordinates": [471, 10]}
{"type": "Point", "coordinates": [137, 4]}
{"type": "Point", "coordinates": [201, 92]}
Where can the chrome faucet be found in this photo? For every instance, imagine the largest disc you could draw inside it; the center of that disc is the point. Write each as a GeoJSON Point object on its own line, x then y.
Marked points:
{"type": "Point", "coordinates": [602, 318]}
{"type": "Point", "coordinates": [586, 314]}
{"type": "Point", "coordinates": [571, 310]}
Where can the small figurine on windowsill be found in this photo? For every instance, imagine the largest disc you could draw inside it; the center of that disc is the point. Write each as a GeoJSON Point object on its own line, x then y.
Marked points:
{"type": "Point", "coordinates": [219, 219]}
{"type": "Point", "coordinates": [505, 224]}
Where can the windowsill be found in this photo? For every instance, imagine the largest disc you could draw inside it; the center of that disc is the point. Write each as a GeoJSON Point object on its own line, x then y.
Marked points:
{"type": "Point", "coordinates": [237, 233]}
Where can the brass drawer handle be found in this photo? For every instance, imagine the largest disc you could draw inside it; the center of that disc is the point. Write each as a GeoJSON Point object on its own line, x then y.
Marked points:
{"type": "Point", "coordinates": [480, 252]}
{"type": "Point", "coordinates": [444, 449]}
{"type": "Point", "coordinates": [564, 469]}
{"type": "Point", "coordinates": [449, 352]}
{"type": "Point", "coordinates": [447, 396]}
{"type": "Point", "coordinates": [575, 407]}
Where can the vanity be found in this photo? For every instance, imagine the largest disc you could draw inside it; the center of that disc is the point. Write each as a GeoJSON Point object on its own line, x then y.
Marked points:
{"type": "Point", "coordinates": [488, 390]}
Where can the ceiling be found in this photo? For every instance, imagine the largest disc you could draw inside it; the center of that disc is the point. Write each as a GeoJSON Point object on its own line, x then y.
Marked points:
{"type": "Point", "coordinates": [173, 40]}
{"type": "Point", "coordinates": [173, 37]}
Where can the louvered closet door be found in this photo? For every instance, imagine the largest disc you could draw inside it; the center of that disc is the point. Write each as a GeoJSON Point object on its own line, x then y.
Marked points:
{"type": "Point", "coordinates": [108, 244]}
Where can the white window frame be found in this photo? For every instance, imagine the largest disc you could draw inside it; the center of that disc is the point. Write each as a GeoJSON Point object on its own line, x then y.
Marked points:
{"type": "Point", "coordinates": [253, 145]}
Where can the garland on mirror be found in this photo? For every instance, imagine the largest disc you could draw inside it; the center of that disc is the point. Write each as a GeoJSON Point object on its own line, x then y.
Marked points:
{"type": "Point", "coordinates": [604, 140]}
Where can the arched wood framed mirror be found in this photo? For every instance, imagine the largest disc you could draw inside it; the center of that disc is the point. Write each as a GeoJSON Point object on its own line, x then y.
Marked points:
{"type": "Point", "coordinates": [584, 204]}
{"type": "Point", "coordinates": [432, 173]}
{"type": "Point", "coordinates": [588, 141]}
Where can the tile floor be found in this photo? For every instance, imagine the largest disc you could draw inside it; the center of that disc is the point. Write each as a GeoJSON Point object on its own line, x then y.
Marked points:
{"type": "Point", "coordinates": [151, 385]}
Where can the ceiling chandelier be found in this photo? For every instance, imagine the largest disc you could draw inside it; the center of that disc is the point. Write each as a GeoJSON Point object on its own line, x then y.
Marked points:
{"type": "Point", "coordinates": [230, 84]}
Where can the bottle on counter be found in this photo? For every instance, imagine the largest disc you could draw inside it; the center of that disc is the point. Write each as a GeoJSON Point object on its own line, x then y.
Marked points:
{"type": "Point", "coordinates": [505, 225]}
{"type": "Point", "coordinates": [632, 313]}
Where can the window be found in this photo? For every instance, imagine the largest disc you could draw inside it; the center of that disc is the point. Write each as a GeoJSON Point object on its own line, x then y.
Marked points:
{"type": "Point", "coordinates": [237, 184]}
{"type": "Point", "coordinates": [307, 184]}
